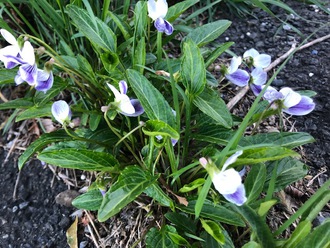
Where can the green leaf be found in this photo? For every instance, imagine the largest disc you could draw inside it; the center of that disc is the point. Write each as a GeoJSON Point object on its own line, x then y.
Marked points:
{"type": "Point", "coordinates": [130, 184]}
{"type": "Point", "coordinates": [209, 32]}
{"type": "Point", "coordinates": [123, 26]}
{"type": "Point", "coordinates": [179, 240]}
{"type": "Point", "coordinates": [299, 234]}
{"type": "Point", "coordinates": [91, 200]}
{"type": "Point", "coordinates": [110, 61]}
{"type": "Point", "coordinates": [160, 238]}
{"type": "Point", "coordinates": [319, 238]}
{"type": "Point", "coordinates": [155, 192]}
{"type": "Point", "coordinates": [257, 224]}
{"type": "Point", "coordinates": [182, 222]}
{"type": "Point", "coordinates": [285, 139]}
{"type": "Point", "coordinates": [193, 185]}
{"type": "Point", "coordinates": [93, 28]}
{"type": "Point", "coordinates": [289, 170]}
{"type": "Point", "coordinates": [156, 127]}
{"type": "Point", "coordinates": [193, 71]}
{"type": "Point", "coordinates": [263, 154]}
{"type": "Point", "coordinates": [94, 121]}
{"type": "Point", "coordinates": [153, 102]}
{"type": "Point", "coordinates": [140, 19]}
{"type": "Point", "coordinates": [200, 203]}
{"type": "Point", "coordinates": [212, 105]}
{"type": "Point", "coordinates": [214, 230]}
{"type": "Point", "coordinates": [40, 143]}
{"type": "Point", "coordinates": [140, 55]}
{"type": "Point", "coordinates": [265, 206]}
{"type": "Point", "coordinates": [309, 93]}
{"type": "Point", "coordinates": [35, 112]}
{"type": "Point", "coordinates": [217, 52]}
{"type": "Point", "coordinates": [7, 76]}
{"type": "Point", "coordinates": [214, 212]}
{"type": "Point", "coordinates": [254, 182]}
{"type": "Point", "coordinates": [20, 103]}
{"type": "Point", "coordinates": [252, 244]}
{"type": "Point", "coordinates": [81, 159]}
{"type": "Point", "coordinates": [176, 10]}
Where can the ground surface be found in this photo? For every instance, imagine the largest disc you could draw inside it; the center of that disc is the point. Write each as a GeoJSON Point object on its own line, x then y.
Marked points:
{"type": "Point", "coordinates": [34, 219]}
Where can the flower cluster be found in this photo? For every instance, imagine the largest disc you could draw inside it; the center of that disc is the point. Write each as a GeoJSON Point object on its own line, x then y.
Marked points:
{"type": "Point", "coordinates": [253, 74]}
{"type": "Point", "coordinates": [21, 53]}
{"type": "Point", "coordinates": [227, 182]}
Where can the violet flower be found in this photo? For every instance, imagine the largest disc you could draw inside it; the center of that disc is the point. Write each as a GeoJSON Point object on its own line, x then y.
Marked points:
{"type": "Point", "coordinates": [8, 52]}
{"type": "Point", "coordinates": [122, 103]}
{"type": "Point", "coordinates": [255, 59]}
{"type": "Point", "coordinates": [227, 182]}
{"type": "Point", "coordinates": [157, 11]}
{"type": "Point", "coordinates": [258, 78]}
{"type": "Point", "coordinates": [237, 76]}
{"type": "Point", "coordinates": [61, 112]}
{"type": "Point", "coordinates": [290, 102]}
{"type": "Point", "coordinates": [44, 80]}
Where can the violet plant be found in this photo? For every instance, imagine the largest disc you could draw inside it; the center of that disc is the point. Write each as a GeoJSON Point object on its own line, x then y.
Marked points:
{"type": "Point", "coordinates": [130, 138]}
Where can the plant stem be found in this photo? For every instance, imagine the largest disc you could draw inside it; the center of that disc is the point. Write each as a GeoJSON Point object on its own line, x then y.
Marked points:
{"type": "Point", "coordinates": [159, 46]}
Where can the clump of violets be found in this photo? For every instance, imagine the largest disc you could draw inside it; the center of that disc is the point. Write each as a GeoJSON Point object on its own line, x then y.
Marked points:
{"type": "Point", "coordinates": [61, 112]}
{"type": "Point", "coordinates": [157, 11]}
{"type": "Point", "coordinates": [289, 101]}
{"type": "Point", "coordinates": [122, 103]}
{"type": "Point", "coordinates": [252, 74]}
{"type": "Point", "coordinates": [21, 53]}
{"type": "Point", "coordinates": [228, 182]}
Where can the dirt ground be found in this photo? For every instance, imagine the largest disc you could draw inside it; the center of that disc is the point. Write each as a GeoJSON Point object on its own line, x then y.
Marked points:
{"type": "Point", "coordinates": [29, 214]}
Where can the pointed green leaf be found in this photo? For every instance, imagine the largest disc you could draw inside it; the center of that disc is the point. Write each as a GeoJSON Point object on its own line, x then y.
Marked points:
{"type": "Point", "coordinates": [182, 222]}
{"type": "Point", "coordinates": [140, 56]}
{"type": "Point", "coordinates": [130, 184]}
{"type": "Point", "coordinates": [209, 32]}
{"type": "Point", "coordinates": [20, 103]}
{"type": "Point", "coordinates": [7, 76]}
{"type": "Point", "coordinates": [265, 206]}
{"type": "Point", "coordinates": [93, 28]}
{"type": "Point", "coordinates": [140, 19]}
{"type": "Point", "coordinates": [212, 105]}
{"type": "Point", "coordinates": [153, 102]}
{"type": "Point", "coordinates": [91, 200]}
{"type": "Point", "coordinates": [161, 238]}
{"type": "Point", "coordinates": [40, 143]}
{"type": "Point", "coordinates": [319, 238]}
{"type": "Point", "coordinates": [80, 159]}
{"type": "Point", "coordinates": [252, 244]}
{"type": "Point", "coordinates": [299, 234]}
{"type": "Point", "coordinates": [156, 127]}
{"type": "Point", "coordinates": [214, 230]}
{"type": "Point", "coordinates": [155, 192]}
{"type": "Point", "coordinates": [176, 10]}
{"type": "Point", "coordinates": [123, 26]}
{"type": "Point", "coordinates": [254, 182]}
{"type": "Point", "coordinates": [193, 185]}
{"type": "Point", "coordinates": [217, 52]}
{"type": "Point", "coordinates": [193, 71]}
{"type": "Point", "coordinates": [35, 112]}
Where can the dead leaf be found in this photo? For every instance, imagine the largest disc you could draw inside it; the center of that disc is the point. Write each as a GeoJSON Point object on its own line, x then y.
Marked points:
{"type": "Point", "coordinates": [71, 234]}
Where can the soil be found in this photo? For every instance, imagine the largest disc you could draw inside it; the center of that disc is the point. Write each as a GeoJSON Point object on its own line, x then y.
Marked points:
{"type": "Point", "coordinates": [29, 214]}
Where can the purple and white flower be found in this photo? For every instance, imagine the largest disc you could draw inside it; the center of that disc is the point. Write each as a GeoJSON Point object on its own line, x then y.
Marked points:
{"type": "Point", "coordinates": [255, 59]}
{"type": "Point", "coordinates": [122, 103]}
{"type": "Point", "coordinates": [291, 102]}
{"type": "Point", "coordinates": [235, 75]}
{"type": "Point", "coordinates": [227, 182]}
{"type": "Point", "coordinates": [259, 78]}
{"type": "Point", "coordinates": [61, 112]}
{"type": "Point", "coordinates": [13, 50]}
{"type": "Point", "coordinates": [157, 11]}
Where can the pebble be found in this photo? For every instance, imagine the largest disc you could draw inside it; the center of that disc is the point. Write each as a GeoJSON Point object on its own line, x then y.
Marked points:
{"type": "Point", "coordinates": [286, 27]}
{"type": "Point", "coordinates": [15, 208]}
{"type": "Point", "coordinates": [311, 74]}
{"type": "Point", "coordinates": [83, 244]}
{"type": "Point", "coordinates": [66, 197]}
{"type": "Point", "coordinates": [278, 82]}
{"type": "Point", "coordinates": [23, 205]}
{"type": "Point", "coordinates": [314, 52]}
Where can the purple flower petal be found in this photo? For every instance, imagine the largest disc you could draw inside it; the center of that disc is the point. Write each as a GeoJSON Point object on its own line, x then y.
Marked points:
{"type": "Point", "coordinates": [256, 89]}
{"type": "Point", "coordinates": [238, 197]}
{"type": "Point", "coordinates": [272, 94]}
{"type": "Point", "coordinates": [304, 107]}
{"type": "Point", "coordinates": [160, 24]}
{"type": "Point", "coordinates": [239, 77]}
{"type": "Point", "coordinates": [138, 108]}
{"type": "Point", "coordinates": [123, 87]}
{"type": "Point", "coordinates": [45, 80]}
{"type": "Point", "coordinates": [28, 73]}
{"type": "Point", "coordinates": [168, 28]}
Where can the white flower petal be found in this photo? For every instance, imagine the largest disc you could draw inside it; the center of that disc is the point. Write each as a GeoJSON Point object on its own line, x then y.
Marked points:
{"type": "Point", "coordinates": [157, 9]}
{"type": "Point", "coordinates": [234, 64]}
{"type": "Point", "coordinates": [124, 105]}
{"type": "Point", "coordinates": [9, 37]}
{"type": "Point", "coordinates": [251, 53]}
{"type": "Point", "coordinates": [291, 98]}
{"type": "Point", "coordinates": [114, 91]}
{"type": "Point", "coordinates": [27, 53]}
{"type": "Point", "coordinates": [61, 111]}
{"type": "Point", "coordinates": [232, 159]}
{"type": "Point", "coordinates": [227, 182]}
{"type": "Point", "coordinates": [262, 60]}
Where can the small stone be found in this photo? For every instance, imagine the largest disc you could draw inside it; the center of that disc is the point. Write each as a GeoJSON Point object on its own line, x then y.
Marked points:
{"type": "Point", "coordinates": [311, 74]}
{"type": "Point", "coordinates": [65, 198]}
{"type": "Point", "coordinates": [286, 27]}
{"type": "Point", "coordinates": [248, 33]}
{"type": "Point", "coordinates": [217, 68]}
{"type": "Point", "coordinates": [23, 205]}
{"type": "Point", "coordinates": [226, 38]}
{"type": "Point", "coordinates": [15, 208]}
{"type": "Point", "coordinates": [278, 82]}
{"type": "Point", "coordinates": [83, 244]}
{"type": "Point", "coordinates": [6, 236]}
{"type": "Point", "coordinates": [83, 177]}
{"type": "Point", "coordinates": [314, 52]}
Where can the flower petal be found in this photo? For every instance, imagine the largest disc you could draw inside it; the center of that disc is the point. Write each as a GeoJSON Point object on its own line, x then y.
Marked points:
{"type": "Point", "coordinates": [304, 107]}
{"type": "Point", "coordinates": [157, 9]}
{"type": "Point", "coordinates": [168, 28]}
{"type": "Point", "coordinates": [239, 77]}
{"type": "Point", "coordinates": [61, 111]}
{"type": "Point", "coordinates": [45, 80]}
{"type": "Point", "coordinates": [114, 91]}
{"type": "Point", "coordinates": [226, 182]}
{"type": "Point", "coordinates": [262, 60]}
{"type": "Point", "coordinates": [28, 73]}
{"type": "Point", "coordinates": [123, 87]}
{"type": "Point", "coordinates": [259, 76]}
{"type": "Point", "coordinates": [137, 107]}
{"type": "Point", "coordinates": [291, 98]}
{"type": "Point", "coordinates": [27, 53]}
{"type": "Point", "coordinates": [160, 24]}
{"type": "Point", "coordinates": [234, 64]}
{"type": "Point", "coordinates": [256, 89]}
{"type": "Point", "coordinates": [271, 94]}
{"type": "Point", "coordinates": [232, 159]}
{"type": "Point", "coordinates": [238, 197]}
{"type": "Point", "coordinates": [124, 105]}
{"type": "Point", "coordinates": [251, 53]}
{"type": "Point", "coordinates": [8, 37]}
